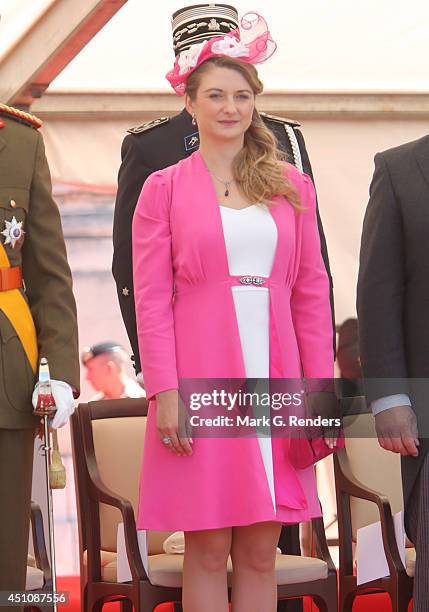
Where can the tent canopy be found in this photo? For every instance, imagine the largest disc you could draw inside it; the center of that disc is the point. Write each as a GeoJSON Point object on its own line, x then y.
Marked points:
{"type": "Point", "coordinates": [333, 45]}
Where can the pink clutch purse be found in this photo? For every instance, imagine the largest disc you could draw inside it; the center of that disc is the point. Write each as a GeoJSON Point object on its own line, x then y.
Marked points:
{"type": "Point", "coordinates": [308, 446]}
{"type": "Point", "coordinates": [304, 452]}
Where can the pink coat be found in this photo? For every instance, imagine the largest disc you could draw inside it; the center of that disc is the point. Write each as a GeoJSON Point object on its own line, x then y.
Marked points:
{"type": "Point", "coordinates": [187, 328]}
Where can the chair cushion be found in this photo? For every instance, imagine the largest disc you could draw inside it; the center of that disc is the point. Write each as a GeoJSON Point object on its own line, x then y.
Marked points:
{"type": "Point", "coordinates": [35, 579]}
{"type": "Point", "coordinates": [166, 570]}
{"type": "Point", "coordinates": [108, 572]}
{"type": "Point", "coordinates": [291, 569]}
{"type": "Point", "coordinates": [106, 557]}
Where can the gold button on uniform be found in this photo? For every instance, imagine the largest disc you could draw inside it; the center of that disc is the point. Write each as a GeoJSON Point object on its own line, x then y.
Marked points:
{"type": "Point", "coordinates": [13, 203]}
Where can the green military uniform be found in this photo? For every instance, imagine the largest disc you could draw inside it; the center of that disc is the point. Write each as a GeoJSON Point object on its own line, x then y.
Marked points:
{"type": "Point", "coordinates": [37, 318]}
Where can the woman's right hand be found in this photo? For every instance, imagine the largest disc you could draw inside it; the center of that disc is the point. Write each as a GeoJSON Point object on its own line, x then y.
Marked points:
{"type": "Point", "coordinates": [169, 425]}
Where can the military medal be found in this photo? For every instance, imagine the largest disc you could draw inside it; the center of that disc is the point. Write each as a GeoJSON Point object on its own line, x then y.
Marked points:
{"type": "Point", "coordinates": [13, 232]}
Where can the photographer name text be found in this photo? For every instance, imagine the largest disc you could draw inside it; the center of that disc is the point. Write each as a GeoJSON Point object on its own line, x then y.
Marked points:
{"type": "Point", "coordinates": [262, 421]}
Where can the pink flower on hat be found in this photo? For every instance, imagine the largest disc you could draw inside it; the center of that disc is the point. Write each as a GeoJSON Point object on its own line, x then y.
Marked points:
{"type": "Point", "coordinates": [188, 59]}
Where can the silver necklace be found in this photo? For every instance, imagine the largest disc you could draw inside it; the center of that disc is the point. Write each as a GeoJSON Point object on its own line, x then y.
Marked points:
{"type": "Point", "coordinates": [226, 184]}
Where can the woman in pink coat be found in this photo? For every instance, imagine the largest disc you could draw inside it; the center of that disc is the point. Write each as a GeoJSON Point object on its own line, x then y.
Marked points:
{"type": "Point", "coordinates": [229, 283]}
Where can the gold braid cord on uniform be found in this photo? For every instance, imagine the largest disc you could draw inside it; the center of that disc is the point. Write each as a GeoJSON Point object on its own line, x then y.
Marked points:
{"type": "Point", "coordinates": [20, 115]}
{"type": "Point", "coordinates": [16, 309]}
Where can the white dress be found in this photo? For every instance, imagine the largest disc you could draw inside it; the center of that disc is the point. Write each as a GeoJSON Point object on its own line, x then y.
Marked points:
{"type": "Point", "coordinates": [250, 238]}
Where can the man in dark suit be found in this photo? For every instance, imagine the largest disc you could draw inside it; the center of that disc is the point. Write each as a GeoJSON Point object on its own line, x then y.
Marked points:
{"type": "Point", "coordinates": [163, 142]}
{"type": "Point", "coordinates": [350, 383]}
{"type": "Point", "coordinates": [393, 297]}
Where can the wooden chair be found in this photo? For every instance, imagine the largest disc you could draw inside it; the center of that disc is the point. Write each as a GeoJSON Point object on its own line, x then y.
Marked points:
{"type": "Point", "coordinates": [39, 576]}
{"type": "Point", "coordinates": [108, 439]}
{"type": "Point", "coordinates": [369, 489]}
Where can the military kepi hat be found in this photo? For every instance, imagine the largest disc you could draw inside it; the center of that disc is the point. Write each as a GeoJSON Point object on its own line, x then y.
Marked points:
{"type": "Point", "coordinates": [250, 43]}
{"type": "Point", "coordinates": [193, 24]}
{"type": "Point", "coordinates": [89, 352]}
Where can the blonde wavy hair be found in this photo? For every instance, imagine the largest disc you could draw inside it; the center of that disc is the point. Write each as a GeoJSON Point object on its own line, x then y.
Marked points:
{"type": "Point", "coordinates": [257, 168]}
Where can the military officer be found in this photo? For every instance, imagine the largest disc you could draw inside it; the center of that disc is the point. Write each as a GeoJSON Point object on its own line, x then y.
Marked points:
{"type": "Point", "coordinates": [162, 142]}
{"type": "Point", "coordinates": [37, 318]}
{"type": "Point", "coordinates": [106, 366]}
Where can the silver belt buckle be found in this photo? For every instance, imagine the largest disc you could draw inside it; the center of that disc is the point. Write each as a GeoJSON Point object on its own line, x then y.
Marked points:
{"type": "Point", "coordinates": [251, 280]}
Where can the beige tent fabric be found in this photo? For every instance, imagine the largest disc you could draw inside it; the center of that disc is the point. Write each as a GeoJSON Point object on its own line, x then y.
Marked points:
{"type": "Point", "coordinates": [342, 45]}
{"type": "Point", "coordinates": [86, 151]}
{"type": "Point", "coordinates": [320, 45]}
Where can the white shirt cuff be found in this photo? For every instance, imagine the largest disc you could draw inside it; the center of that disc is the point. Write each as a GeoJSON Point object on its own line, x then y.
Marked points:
{"type": "Point", "coordinates": [390, 401]}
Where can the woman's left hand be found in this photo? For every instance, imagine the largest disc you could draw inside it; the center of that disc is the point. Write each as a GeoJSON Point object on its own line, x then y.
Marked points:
{"type": "Point", "coordinates": [330, 436]}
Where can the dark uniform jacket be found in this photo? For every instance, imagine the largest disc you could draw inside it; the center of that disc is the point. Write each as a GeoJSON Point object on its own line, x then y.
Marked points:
{"type": "Point", "coordinates": [39, 320]}
{"type": "Point", "coordinates": [393, 288]}
{"type": "Point", "coordinates": [154, 146]}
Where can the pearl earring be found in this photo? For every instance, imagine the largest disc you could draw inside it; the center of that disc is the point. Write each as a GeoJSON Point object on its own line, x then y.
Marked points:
{"type": "Point", "coordinates": [194, 120]}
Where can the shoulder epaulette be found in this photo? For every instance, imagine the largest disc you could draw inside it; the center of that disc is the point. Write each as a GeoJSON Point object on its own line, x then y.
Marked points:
{"type": "Point", "coordinates": [283, 120]}
{"type": "Point", "coordinates": [21, 116]}
{"type": "Point", "coordinates": [149, 125]}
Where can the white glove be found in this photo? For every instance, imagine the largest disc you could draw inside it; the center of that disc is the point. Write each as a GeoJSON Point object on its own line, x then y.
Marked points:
{"type": "Point", "coordinates": [64, 401]}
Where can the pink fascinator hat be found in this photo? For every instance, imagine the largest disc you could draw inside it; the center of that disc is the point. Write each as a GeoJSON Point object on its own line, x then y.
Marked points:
{"type": "Point", "coordinates": [250, 42]}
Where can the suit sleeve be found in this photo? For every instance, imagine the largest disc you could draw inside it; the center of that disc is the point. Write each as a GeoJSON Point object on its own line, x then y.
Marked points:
{"type": "Point", "coordinates": [132, 175]}
{"type": "Point", "coordinates": [48, 280]}
{"type": "Point", "coordinates": [310, 306]}
{"type": "Point", "coordinates": [323, 246]}
{"type": "Point", "coordinates": [153, 286]}
{"type": "Point", "coordinates": [380, 291]}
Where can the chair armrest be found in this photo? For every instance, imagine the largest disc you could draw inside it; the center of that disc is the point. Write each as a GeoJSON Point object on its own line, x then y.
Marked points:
{"type": "Point", "coordinates": [352, 486]}
{"type": "Point", "coordinates": [348, 485]}
{"type": "Point", "coordinates": [321, 545]}
{"type": "Point", "coordinates": [39, 543]}
{"type": "Point", "coordinates": [104, 495]}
